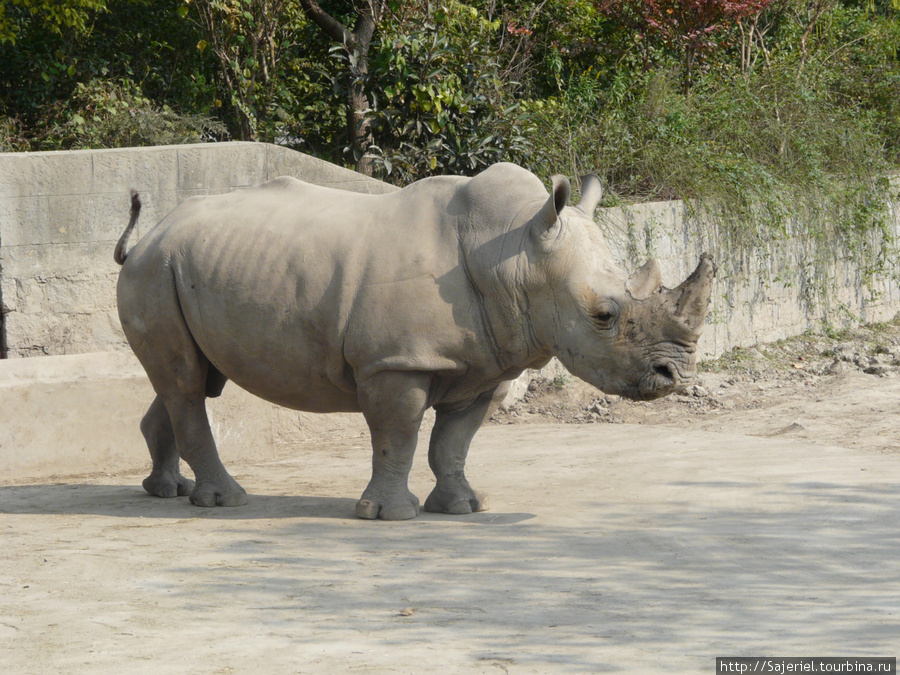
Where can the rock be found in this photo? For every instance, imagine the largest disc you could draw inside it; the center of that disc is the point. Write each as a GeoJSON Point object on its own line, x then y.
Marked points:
{"type": "Point", "coordinates": [597, 408]}
{"type": "Point", "coordinates": [846, 352]}
{"type": "Point", "coordinates": [880, 371]}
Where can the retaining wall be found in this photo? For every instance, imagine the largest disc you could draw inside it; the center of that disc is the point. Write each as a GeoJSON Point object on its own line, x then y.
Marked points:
{"type": "Point", "coordinates": [77, 410]}
{"type": "Point", "coordinates": [786, 287]}
{"type": "Point", "coordinates": [80, 414]}
{"type": "Point", "coordinates": [61, 214]}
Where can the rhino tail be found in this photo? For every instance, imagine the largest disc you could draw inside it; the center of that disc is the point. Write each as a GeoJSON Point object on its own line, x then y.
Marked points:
{"type": "Point", "coordinates": [119, 254]}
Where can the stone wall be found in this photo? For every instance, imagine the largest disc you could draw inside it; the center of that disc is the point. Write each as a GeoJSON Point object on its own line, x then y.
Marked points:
{"type": "Point", "coordinates": [785, 288]}
{"type": "Point", "coordinates": [61, 214]}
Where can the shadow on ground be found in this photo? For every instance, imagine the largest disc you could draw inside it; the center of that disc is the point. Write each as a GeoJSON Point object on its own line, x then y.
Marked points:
{"type": "Point", "coordinates": [602, 562]}
{"type": "Point", "coordinates": [118, 501]}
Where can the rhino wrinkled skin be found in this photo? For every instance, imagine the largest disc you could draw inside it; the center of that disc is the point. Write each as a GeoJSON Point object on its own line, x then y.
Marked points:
{"type": "Point", "coordinates": [436, 295]}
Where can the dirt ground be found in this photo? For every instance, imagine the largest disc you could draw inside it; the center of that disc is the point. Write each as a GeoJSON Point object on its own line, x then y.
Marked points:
{"type": "Point", "coordinates": [756, 514]}
{"type": "Point", "coordinates": [837, 390]}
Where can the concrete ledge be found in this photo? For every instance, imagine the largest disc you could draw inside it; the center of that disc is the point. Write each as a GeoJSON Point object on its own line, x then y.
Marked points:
{"type": "Point", "coordinates": [80, 414]}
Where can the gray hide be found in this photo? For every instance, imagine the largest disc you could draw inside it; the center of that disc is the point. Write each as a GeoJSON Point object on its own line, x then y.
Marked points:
{"type": "Point", "coordinates": [432, 296]}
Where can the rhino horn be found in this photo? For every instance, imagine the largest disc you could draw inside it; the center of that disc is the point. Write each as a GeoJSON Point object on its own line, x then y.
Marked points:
{"type": "Point", "coordinates": [645, 281]}
{"type": "Point", "coordinates": [591, 193]}
{"type": "Point", "coordinates": [559, 196]}
{"type": "Point", "coordinates": [693, 295]}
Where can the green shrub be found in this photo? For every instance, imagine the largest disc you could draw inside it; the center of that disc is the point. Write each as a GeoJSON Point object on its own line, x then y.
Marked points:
{"type": "Point", "coordinates": [442, 106]}
{"type": "Point", "coordinates": [103, 114]}
{"type": "Point", "coordinates": [12, 135]}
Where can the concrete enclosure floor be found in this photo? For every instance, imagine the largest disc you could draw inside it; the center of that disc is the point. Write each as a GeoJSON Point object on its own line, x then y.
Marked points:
{"type": "Point", "coordinates": [609, 548]}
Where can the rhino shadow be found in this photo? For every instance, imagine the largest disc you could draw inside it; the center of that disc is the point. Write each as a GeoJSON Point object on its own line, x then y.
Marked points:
{"type": "Point", "coordinates": [130, 501]}
{"type": "Point", "coordinates": [686, 583]}
{"type": "Point", "coordinates": [675, 584]}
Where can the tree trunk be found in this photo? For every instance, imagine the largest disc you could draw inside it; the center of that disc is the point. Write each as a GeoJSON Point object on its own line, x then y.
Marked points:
{"type": "Point", "coordinates": [690, 54]}
{"type": "Point", "coordinates": [356, 43]}
{"type": "Point", "coordinates": [359, 124]}
{"type": "Point", "coordinates": [359, 127]}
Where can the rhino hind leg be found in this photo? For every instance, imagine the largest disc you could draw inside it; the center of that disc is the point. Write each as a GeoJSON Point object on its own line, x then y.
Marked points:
{"type": "Point", "coordinates": [447, 451]}
{"type": "Point", "coordinates": [190, 424]}
{"type": "Point", "coordinates": [165, 479]}
{"type": "Point", "coordinates": [176, 423]}
{"type": "Point", "coordinates": [393, 405]}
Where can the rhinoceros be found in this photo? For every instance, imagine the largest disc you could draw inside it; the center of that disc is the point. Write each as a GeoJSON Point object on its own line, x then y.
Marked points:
{"type": "Point", "coordinates": [433, 296]}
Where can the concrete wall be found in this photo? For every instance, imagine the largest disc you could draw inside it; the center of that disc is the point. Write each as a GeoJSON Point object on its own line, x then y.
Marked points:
{"type": "Point", "coordinates": [61, 214]}
{"type": "Point", "coordinates": [77, 409]}
{"type": "Point", "coordinates": [784, 288]}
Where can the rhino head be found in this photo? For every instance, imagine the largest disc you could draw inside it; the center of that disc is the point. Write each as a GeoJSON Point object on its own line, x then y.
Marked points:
{"type": "Point", "coordinates": [626, 335]}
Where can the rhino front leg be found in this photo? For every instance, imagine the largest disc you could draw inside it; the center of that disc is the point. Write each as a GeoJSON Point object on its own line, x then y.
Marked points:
{"type": "Point", "coordinates": [450, 439]}
{"type": "Point", "coordinates": [165, 479]}
{"type": "Point", "coordinates": [195, 444]}
{"type": "Point", "coordinates": [393, 405]}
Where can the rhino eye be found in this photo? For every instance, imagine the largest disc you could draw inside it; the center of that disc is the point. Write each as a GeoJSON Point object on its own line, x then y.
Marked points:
{"type": "Point", "coordinates": [605, 317]}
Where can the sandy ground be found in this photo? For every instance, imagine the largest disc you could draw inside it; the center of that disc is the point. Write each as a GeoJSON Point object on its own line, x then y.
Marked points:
{"type": "Point", "coordinates": [755, 515]}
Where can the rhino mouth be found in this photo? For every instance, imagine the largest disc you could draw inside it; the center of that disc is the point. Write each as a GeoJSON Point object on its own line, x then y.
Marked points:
{"type": "Point", "coordinates": [662, 379]}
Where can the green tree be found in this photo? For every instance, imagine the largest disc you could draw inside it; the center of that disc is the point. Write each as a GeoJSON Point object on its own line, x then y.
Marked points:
{"type": "Point", "coordinates": [250, 40]}
{"type": "Point", "coordinates": [353, 49]}
{"type": "Point", "coordinates": [53, 15]}
{"type": "Point", "coordinates": [140, 51]}
{"type": "Point", "coordinates": [441, 103]}
{"type": "Point", "coordinates": [687, 27]}
{"type": "Point", "coordinates": [102, 114]}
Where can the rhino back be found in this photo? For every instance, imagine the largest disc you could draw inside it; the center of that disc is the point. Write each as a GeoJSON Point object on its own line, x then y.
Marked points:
{"type": "Point", "coordinates": [295, 291]}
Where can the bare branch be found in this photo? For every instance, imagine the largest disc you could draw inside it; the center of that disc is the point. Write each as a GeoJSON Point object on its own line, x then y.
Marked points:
{"type": "Point", "coordinates": [331, 26]}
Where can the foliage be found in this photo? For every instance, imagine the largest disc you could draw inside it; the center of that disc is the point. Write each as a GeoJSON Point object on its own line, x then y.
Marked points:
{"type": "Point", "coordinates": [793, 112]}
{"type": "Point", "coordinates": [687, 27]}
{"type": "Point", "coordinates": [142, 41]}
{"type": "Point", "coordinates": [12, 135]}
{"type": "Point", "coordinates": [53, 16]}
{"type": "Point", "coordinates": [766, 154]}
{"type": "Point", "coordinates": [442, 105]}
{"type": "Point", "coordinates": [249, 39]}
{"type": "Point", "coordinates": [101, 114]}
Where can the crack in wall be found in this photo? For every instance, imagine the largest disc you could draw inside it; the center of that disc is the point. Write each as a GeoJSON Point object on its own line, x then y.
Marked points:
{"type": "Point", "coordinates": [3, 344]}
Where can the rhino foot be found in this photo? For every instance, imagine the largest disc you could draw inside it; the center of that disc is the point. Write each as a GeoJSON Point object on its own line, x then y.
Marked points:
{"type": "Point", "coordinates": [458, 501]}
{"type": "Point", "coordinates": [400, 507]}
{"type": "Point", "coordinates": [218, 494]}
{"type": "Point", "coordinates": [168, 485]}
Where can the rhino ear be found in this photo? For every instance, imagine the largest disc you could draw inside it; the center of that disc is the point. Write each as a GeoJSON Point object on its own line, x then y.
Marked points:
{"type": "Point", "coordinates": [548, 215]}
{"type": "Point", "coordinates": [591, 193]}
{"type": "Point", "coordinates": [645, 281]}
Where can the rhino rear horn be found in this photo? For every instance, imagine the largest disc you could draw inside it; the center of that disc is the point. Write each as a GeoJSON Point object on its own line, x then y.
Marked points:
{"type": "Point", "coordinates": [549, 213]}
{"type": "Point", "coordinates": [645, 281]}
{"type": "Point", "coordinates": [693, 295]}
{"type": "Point", "coordinates": [591, 193]}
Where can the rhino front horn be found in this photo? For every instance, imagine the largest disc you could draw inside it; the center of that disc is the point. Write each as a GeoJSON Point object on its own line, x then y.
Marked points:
{"type": "Point", "coordinates": [693, 295]}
